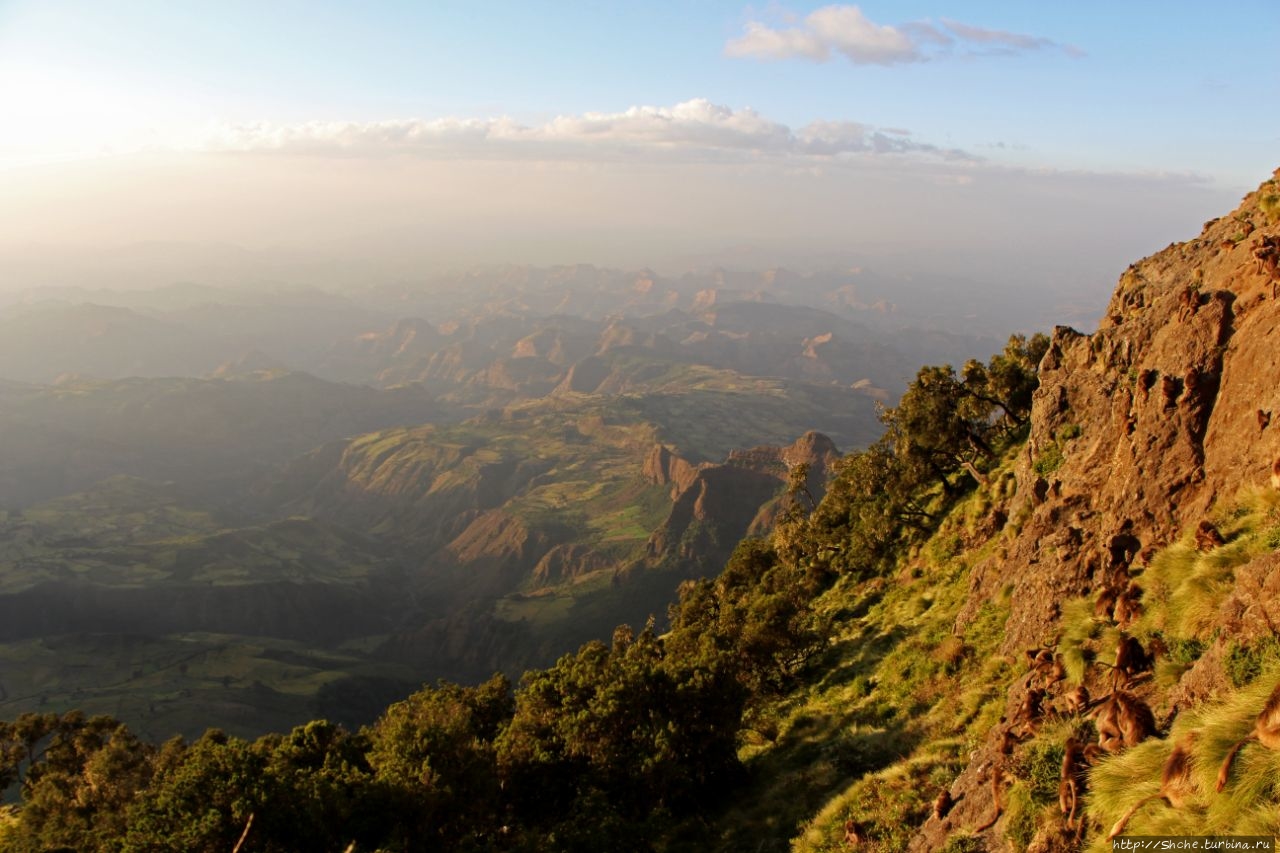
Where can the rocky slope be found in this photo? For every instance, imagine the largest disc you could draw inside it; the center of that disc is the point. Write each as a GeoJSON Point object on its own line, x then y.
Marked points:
{"type": "Point", "coordinates": [1154, 423]}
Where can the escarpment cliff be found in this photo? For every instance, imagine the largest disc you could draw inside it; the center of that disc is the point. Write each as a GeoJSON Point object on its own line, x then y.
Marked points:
{"type": "Point", "coordinates": [1142, 432]}
{"type": "Point", "coordinates": [714, 505]}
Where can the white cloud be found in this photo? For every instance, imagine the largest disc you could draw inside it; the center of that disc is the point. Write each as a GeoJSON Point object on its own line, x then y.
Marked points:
{"type": "Point", "coordinates": [693, 130]}
{"type": "Point", "coordinates": [842, 29]}
{"type": "Point", "coordinates": [847, 31]}
{"type": "Point", "coordinates": [1007, 42]}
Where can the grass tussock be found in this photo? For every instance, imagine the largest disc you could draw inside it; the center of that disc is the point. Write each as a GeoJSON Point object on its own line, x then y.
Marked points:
{"type": "Point", "coordinates": [1250, 804]}
{"type": "Point", "coordinates": [1184, 588]}
{"type": "Point", "coordinates": [1079, 628]}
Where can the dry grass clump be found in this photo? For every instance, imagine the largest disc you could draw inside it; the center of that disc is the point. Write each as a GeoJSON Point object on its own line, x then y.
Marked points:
{"type": "Point", "coordinates": [1249, 805]}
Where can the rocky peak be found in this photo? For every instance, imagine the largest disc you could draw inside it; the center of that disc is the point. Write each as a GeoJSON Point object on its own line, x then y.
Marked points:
{"type": "Point", "coordinates": [1137, 432]}
{"type": "Point", "coordinates": [662, 466]}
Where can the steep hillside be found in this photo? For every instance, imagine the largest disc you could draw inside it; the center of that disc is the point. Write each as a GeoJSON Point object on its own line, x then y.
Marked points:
{"type": "Point", "coordinates": [1127, 555]}
{"type": "Point", "coordinates": [1039, 611]}
{"type": "Point", "coordinates": [1170, 399]}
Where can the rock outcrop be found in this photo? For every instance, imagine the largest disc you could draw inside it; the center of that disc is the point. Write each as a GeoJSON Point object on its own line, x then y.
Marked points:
{"type": "Point", "coordinates": [716, 505]}
{"type": "Point", "coordinates": [1138, 431]}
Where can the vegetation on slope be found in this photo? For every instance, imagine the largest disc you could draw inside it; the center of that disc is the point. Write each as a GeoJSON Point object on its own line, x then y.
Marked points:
{"type": "Point", "coordinates": [633, 745]}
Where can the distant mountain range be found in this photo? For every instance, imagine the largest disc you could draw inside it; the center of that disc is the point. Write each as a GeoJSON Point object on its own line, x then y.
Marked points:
{"type": "Point", "coordinates": [279, 503]}
{"type": "Point", "coordinates": [755, 322]}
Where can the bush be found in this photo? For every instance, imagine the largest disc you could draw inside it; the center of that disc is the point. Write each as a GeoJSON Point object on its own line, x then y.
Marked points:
{"type": "Point", "coordinates": [963, 844]}
{"type": "Point", "coordinates": [1049, 460]}
{"type": "Point", "coordinates": [1041, 765]}
{"type": "Point", "coordinates": [1270, 205]}
{"type": "Point", "coordinates": [1245, 663]}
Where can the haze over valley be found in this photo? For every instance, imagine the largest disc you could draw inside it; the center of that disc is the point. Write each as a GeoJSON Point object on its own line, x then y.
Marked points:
{"type": "Point", "coordinates": [541, 426]}
{"type": "Point", "coordinates": [220, 476]}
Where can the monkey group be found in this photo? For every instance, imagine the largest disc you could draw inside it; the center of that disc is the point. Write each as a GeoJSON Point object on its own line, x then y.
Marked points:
{"type": "Point", "coordinates": [1122, 606]}
{"type": "Point", "coordinates": [1076, 701]}
{"type": "Point", "coordinates": [1123, 721]}
{"type": "Point", "coordinates": [1045, 668]}
{"type": "Point", "coordinates": [1177, 783]}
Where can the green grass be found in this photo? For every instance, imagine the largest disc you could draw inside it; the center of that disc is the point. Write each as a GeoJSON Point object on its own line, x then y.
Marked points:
{"type": "Point", "coordinates": [537, 609]}
{"type": "Point", "coordinates": [1079, 631]}
{"type": "Point", "coordinates": [1269, 204]}
{"type": "Point", "coordinates": [1183, 588]}
{"type": "Point", "coordinates": [1245, 662]}
{"type": "Point", "coordinates": [1049, 460]}
{"type": "Point", "coordinates": [1250, 805]}
{"type": "Point", "coordinates": [903, 696]}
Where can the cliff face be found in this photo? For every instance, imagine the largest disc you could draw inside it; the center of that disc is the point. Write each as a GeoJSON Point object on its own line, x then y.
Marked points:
{"type": "Point", "coordinates": [1139, 431]}
{"type": "Point", "coordinates": [714, 505]}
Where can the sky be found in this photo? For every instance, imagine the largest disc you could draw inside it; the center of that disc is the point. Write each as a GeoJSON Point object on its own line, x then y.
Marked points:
{"type": "Point", "coordinates": [1052, 141]}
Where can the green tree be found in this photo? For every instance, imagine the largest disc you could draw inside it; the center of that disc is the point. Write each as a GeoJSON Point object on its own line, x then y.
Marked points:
{"type": "Point", "coordinates": [1009, 379]}
{"type": "Point", "coordinates": [434, 756]}
{"type": "Point", "coordinates": [78, 788]}
{"type": "Point", "coordinates": [631, 725]}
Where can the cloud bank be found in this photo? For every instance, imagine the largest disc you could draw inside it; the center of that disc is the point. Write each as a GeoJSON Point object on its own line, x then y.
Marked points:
{"type": "Point", "coordinates": [693, 130]}
{"type": "Point", "coordinates": [846, 31]}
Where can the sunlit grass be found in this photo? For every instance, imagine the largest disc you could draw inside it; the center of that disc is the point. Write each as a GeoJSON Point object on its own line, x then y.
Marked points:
{"type": "Point", "coordinates": [1250, 804]}
{"type": "Point", "coordinates": [1184, 588]}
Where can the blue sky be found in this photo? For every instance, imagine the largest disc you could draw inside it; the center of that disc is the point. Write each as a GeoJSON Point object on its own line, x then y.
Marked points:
{"type": "Point", "coordinates": [1137, 116]}
{"type": "Point", "coordinates": [1168, 86]}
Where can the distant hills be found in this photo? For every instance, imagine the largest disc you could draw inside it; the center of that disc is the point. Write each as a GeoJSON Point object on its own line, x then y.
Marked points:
{"type": "Point", "coordinates": [309, 502]}
{"type": "Point", "coordinates": [389, 333]}
{"type": "Point", "coordinates": [207, 435]}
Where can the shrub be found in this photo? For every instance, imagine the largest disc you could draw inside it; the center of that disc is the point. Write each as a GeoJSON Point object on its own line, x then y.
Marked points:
{"type": "Point", "coordinates": [1270, 205]}
{"type": "Point", "coordinates": [963, 843]}
{"type": "Point", "coordinates": [1244, 663]}
{"type": "Point", "coordinates": [1050, 460]}
{"type": "Point", "coordinates": [1041, 765]}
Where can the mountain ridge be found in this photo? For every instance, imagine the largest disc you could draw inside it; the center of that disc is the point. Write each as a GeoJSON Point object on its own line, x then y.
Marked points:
{"type": "Point", "coordinates": [1167, 405]}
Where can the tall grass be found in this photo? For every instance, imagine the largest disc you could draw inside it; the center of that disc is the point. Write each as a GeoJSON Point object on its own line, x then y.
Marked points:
{"type": "Point", "coordinates": [1183, 588]}
{"type": "Point", "coordinates": [1250, 804]}
{"type": "Point", "coordinates": [1078, 628]}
